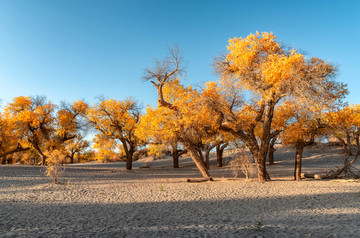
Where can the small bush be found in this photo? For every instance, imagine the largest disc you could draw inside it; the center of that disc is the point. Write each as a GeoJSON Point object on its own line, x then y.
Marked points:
{"type": "Point", "coordinates": [55, 167]}
{"type": "Point", "coordinates": [242, 165]}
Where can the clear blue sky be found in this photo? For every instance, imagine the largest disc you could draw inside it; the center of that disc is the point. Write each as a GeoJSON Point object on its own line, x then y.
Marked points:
{"type": "Point", "coordinates": [79, 49]}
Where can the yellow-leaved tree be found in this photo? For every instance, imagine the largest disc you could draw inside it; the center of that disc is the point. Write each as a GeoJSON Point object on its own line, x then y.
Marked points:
{"type": "Point", "coordinates": [117, 120]}
{"type": "Point", "coordinates": [300, 123]}
{"type": "Point", "coordinates": [181, 113]}
{"type": "Point", "coordinates": [9, 137]}
{"type": "Point", "coordinates": [343, 123]}
{"type": "Point", "coordinates": [255, 75]}
{"type": "Point", "coordinates": [41, 127]}
{"type": "Point", "coordinates": [155, 129]}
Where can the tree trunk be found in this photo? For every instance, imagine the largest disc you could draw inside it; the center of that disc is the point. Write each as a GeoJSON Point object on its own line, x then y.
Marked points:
{"type": "Point", "coordinates": [129, 150]}
{"type": "Point", "coordinates": [176, 161]}
{"type": "Point", "coordinates": [312, 137]}
{"type": "Point", "coordinates": [18, 149]}
{"type": "Point", "coordinates": [261, 169]}
{"type": "Point", "coordinates": [208, 148]}
{"type": "Point", "coordinates": [346, 145]}
{"type": "Point", "coordinates": [129, 158]}
{"type": "Point", "coordinates": [219, 156]}
{"type": "Point", "coordinates": [43, 159]}
{"type": "Point", "coordinates": [265, 141]}
{"type": "Point", "coordinates": [272, 150]}
{"type": "Point", "coordinates": [207, 158]}
{"type": "Point", "coordinates": [271, 155]}
{"type": "Point", "coordinates": [348, 151]}
{"type": "Point", "coordinates": [78, 157]}
{"type": "Point", "coordinates": [357, 135]}
{"type": "Point", "coordinates": [199, 162]}
{"type": "Point", "coordinates": [175, 156]}
{"type": "Point", "coordinates": [72, 157]}
{"type": "Point", "coordinates": [298, 159]}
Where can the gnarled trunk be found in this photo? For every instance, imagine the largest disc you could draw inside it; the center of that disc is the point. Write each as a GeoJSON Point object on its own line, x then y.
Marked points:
{"type": "Point", "coordinates": [199, 162]}
{"type": "Point", "coordinates": [129, 152]}
{"type": "Point", "coordinates": [219, 154]}
{"type": "Point", "coordinates": [272, 150]}
{"type": "Point", "coordinates": [346, 144]}
{"type": "Point", "coordinates": [175, 154]}
{"type": "Point", "coordinates": [261, 169]}
{"type": "Point", "coordinates": [18, 149]}
{"type": "Point", "coordinates": [298, 159]}
{"type": "Point", "coordinates": [264, 145]}
{"type": "Point", "coordinates": [207, 159]}
{"type": "Point", "coordinates": [43, 157]}
{"type": "Point", "coordinates": [129, 157]}
{"type": "Point", "coordinates": [175, 159]}
{"type": "Point", "coordinates": [271, 155]}
{"type": "Point", "coordinates": [208, 148]}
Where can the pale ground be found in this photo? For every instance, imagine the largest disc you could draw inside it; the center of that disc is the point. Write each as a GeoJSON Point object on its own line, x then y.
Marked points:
{"type": "Point", "coordinates": [104, 200]}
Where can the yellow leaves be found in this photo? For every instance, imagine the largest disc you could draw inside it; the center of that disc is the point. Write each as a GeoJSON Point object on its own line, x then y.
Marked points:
{"type": "Point", "coordinates": [24, 111]}
{"type": "Point", "coordinates": [259, 64]}
{"type": "Point", "coordinates": [211, 91]}
{"type": "Point", "coordinates": [157, 123]}
{"type": "Point", "coordinates": [54, 161]}
{"type": "Point", "coordinates": [20, 103]}
{"type": "Point", "coordinates": [80, 107]}
{"type": "Point", "coordinates": [105, 148]}
{"type": "Point", "coordinates": [346, 117]}
{"type": "Point", "coordinates": [250, 52]}
{"type": "Point", "coordinates": [280, 69]}
{"type": "Point", "coordinates": [297, 120]}
{"type": "Point", "coordinates": [66, 122]}
{"type": "Point", "coordinates": [191, 119]}
{"type": "Point", "coordinates": [114, 118]}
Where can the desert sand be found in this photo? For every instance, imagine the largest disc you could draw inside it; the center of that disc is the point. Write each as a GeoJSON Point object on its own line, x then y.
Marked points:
{"type": "Point", "coordinates": [105, 200]}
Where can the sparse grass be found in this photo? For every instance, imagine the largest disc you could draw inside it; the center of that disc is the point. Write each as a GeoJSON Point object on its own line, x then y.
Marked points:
{"type": "Point", "coordinates": [161, 188]}
{"type": "Point", "coordinates": [258, 226]}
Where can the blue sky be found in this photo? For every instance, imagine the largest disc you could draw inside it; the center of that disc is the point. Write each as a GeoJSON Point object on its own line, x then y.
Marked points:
{"type": "Point", "coordinates": [80, 49]}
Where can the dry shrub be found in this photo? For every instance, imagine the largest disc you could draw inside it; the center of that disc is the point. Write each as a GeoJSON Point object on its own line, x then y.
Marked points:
{"type": "Point", "coordinates": [55, 166]}
{"type": "Point", "coordinates": [243, 165]}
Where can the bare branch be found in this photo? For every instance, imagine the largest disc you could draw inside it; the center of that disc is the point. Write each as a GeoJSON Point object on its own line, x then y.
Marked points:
{"type": "Point", "coordinates": [163, 71]}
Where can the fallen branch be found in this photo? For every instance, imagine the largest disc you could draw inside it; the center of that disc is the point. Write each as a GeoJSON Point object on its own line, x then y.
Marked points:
{"type": "Point", "coordinates": [199, 180]}
{"type": "Point", "coordinates": [347, 168]}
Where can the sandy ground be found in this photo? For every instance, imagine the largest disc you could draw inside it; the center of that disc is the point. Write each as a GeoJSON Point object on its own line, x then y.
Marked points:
{"type": "Point", "coordinates": [105, 200]}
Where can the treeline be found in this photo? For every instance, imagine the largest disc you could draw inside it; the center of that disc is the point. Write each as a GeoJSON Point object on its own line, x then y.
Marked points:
{"type": "Point", "coordinates": [266, 93]}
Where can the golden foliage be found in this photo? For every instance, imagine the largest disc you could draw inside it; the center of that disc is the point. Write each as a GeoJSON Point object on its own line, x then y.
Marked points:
{"type": "Point", "coordinates": [55, 160]}
{"type": "Point", "coordinates": [262, 65]}
{"type": "Point", "coordinates": [105, 148]}
{"type": "Point", "coordinates": [190, 122]}
{"type": "Point", "coordinates": [344, 122]}
{"type": "Point", "coordinates": [115, 120]}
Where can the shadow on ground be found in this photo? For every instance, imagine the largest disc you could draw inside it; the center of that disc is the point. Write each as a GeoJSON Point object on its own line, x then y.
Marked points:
{"type": "Point", "coordinates": [227, 218]}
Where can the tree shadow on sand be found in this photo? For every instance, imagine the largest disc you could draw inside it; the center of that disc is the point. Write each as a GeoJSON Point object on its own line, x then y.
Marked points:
{"type": "Point", "coordinates": [318, 215]}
